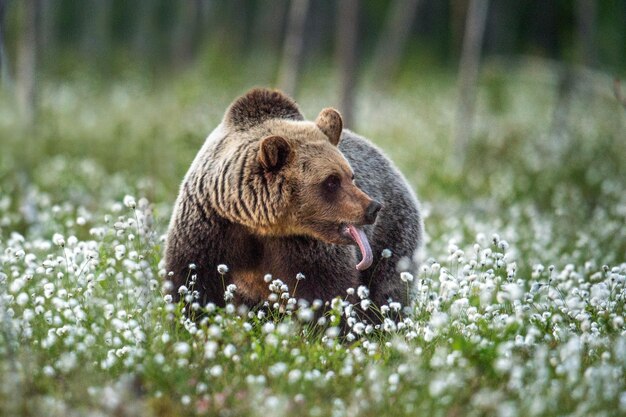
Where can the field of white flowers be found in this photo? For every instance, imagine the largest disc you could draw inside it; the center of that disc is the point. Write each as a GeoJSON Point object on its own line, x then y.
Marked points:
{"type": "Point", "coordinates": [519, 302]}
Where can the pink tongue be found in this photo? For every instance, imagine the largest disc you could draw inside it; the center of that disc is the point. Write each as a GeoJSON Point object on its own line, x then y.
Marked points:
{"type": "Point", "coordinates": [359, 237]}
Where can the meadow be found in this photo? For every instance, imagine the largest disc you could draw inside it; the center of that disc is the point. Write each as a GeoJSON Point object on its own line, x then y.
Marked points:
{"type": "Point", "coordinates": [519, 300]}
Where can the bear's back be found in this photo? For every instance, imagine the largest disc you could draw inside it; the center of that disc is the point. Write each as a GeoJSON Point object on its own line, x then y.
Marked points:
{"type": "Point", "coordinates": [399, 224]}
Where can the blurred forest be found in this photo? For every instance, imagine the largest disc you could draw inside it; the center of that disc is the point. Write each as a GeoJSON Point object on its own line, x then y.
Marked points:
{"type": "Point", "coordinates": [477, 86]}
{"type": "Point", "coordinates": [283, 39]}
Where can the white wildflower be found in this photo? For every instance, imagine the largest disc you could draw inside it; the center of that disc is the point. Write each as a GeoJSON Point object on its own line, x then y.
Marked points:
{"type": "Point", "coordinates": [182, 348]}
{"type": "Point", "coordinates": [229, 350]}
{"type": "Point", "coordinates": [406, 277]}
{"type": "Point", "coordinates": [120, 251]}
{"type": "Point", "coordinates": [58, 239]}
{"type": "Point", "coordinates": [129, 201]}
{"type": "Point", "coordinates": [363, 292]}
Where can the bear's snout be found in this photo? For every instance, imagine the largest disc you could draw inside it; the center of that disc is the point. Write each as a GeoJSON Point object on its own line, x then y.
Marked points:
{"type": "Point", "coordinates": [372, 211]}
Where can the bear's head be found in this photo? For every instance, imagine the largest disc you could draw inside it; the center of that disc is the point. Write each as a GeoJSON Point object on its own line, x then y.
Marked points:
{"type": "Point", "coordinates": [304, 180]}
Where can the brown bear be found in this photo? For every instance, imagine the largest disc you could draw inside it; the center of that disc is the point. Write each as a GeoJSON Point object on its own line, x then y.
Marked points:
{"type": "Point", "coordinates": [272, 193]}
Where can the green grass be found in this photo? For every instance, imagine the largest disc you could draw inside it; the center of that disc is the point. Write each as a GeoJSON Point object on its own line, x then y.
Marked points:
{"type": "Point", "coordinates": [519, 302]}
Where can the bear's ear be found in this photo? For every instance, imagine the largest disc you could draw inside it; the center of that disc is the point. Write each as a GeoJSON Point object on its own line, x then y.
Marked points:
{"type": "Point", "coordinates": [329, 121]}
{"type": "Point", "coordinates": [274, 153]}
{"type": "Point", "coordinates": [259, 105]}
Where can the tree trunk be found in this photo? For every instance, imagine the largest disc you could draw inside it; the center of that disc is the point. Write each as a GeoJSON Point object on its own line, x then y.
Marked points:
{"type": "Point", "coordinates": [268, 25]}
{"type": "Point", "coordinates": [26, 74]}
{"type": "Point", "coordinates": [293, 49]}
{"type": "Point", "coordinates": [468, 74]}
{"type": "Point", "coordinates": [48, 33]}
{"type": "Point", "coordinates": [186, 32]}
{"type": "Point", "coordinates": [96, 32]}
{"type": "Point", "coordinates": [267, 33]}
{"type": "Point", "coordinates": [586, 25]}
{"type": "Point", "coordinates": [347, 36]}
{"type": "Point", "coordinates": [393, 40]}
{"type": "Point", "coordinates": [569, 81]}
{"type": "Point", "coordinates": [4, 65]}
{"type": "Point", "coordinates": [144, 38]}
{"type": "Point", "coordinates": [502, 31]}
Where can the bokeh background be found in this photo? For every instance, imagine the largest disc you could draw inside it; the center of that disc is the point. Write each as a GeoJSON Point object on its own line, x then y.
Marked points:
{"type": "Point", "coordinates": [482, 104]}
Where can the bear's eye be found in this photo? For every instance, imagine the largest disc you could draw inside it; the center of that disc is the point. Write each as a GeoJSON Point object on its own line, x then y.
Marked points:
{"type": "Point", "coordinates": [331, 184]}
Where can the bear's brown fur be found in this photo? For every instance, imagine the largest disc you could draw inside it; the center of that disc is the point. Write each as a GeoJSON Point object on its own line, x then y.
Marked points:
{"type": "Point", "coordinates": [270, 192]}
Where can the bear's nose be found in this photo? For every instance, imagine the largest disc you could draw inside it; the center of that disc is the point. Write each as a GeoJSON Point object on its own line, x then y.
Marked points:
{"type": "Point", "coordinates": [372, 211]}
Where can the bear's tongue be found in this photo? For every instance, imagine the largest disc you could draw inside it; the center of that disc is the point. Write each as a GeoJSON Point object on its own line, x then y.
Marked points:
{"type": "Point", "coordinates": [359, 237]}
